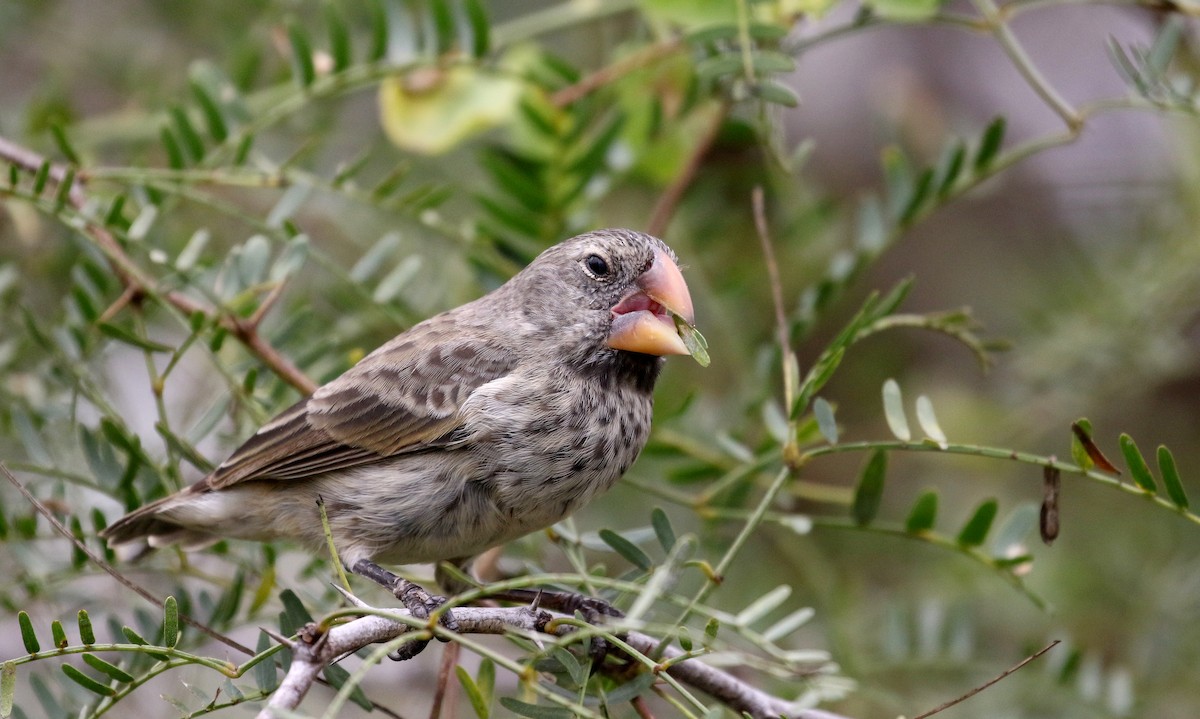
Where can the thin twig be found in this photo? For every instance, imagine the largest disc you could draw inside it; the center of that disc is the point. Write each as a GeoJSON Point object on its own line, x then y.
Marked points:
{"type": "Point", "coordinates": [449, 660]}
{"type": "Point", "coordinates": [1025, 65]}
{"type": "Point", "coordinates": [96, 559]}
{"type": "Point", "coordinates": [137, 283]}
{"type": "Point", "coordinates": [781, 322]}
{"type": "Point", "coordinates": [615, 71]}
{"type": "Point", "coordinates": [669, 200]}
{"type": "Point", "coordinates": [992, 681]}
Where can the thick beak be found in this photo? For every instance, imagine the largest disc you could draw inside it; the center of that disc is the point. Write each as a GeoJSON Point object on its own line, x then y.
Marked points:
{"type": "Point", "coordinates": [644, 320]}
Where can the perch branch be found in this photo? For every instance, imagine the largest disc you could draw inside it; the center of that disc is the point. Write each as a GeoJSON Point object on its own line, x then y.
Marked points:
{"type": "Point", "coordinates": [138, 284]}
{"type": "Point", "coordinates": [316, 650]}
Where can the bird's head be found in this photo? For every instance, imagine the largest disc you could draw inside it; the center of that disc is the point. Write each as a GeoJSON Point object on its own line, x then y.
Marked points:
{"type": "Point", "coordinates": [615, 291]}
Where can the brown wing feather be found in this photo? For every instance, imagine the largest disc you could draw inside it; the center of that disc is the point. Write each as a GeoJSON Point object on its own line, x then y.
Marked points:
{"type": "Point", "coordinates": [403, 397]}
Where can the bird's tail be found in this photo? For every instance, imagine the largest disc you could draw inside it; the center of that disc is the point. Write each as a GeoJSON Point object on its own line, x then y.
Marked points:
{"type": "Point", "coordinates": [152, 526]}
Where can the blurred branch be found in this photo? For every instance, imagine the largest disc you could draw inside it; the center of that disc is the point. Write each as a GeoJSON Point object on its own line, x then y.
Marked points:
{"type": "Point", "coordinates": [664, 209]}
{"type": "Point", "coordinates": [1025, 65]}
{"type": "Point", "coordinates": [616, 71]}
{"type": "Point", "coordinates": [138, 284]}
{"type": "Point", "coordinates": [990, 682]}
{"type": "Point", "coordinates": [315, 649]}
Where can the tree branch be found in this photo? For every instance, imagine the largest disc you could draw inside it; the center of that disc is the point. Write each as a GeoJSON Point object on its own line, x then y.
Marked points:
{"type": "Point", "coordinates": [317, 649]}
{"type": "Point", "coordinates": [138, 284]}
{"type": "Point", "coordinates": [669, 200]}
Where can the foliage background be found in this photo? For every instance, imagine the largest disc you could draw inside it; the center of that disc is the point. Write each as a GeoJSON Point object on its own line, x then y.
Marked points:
{"type": "Point", "coordinates": [1083, 257]}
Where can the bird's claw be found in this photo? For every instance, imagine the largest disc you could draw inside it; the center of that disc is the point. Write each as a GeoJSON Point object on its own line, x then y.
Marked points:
{"type": "Point", "coordinates": [422, 604]}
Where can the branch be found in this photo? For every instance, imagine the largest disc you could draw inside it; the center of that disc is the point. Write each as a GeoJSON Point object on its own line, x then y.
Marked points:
{"type": "Point", "coordinates": [667, 202]}
{"type": "Point", "coordinates": [615, 71]}
{"type": "Point", "coordinates": [314, 650]}
{"type": "Point", "coordinates": [991, 681]}
{"type": "Point", "coordinates": [138, 284]}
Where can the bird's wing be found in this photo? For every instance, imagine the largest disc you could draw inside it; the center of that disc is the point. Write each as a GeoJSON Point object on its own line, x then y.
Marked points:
{"type": "Point", "coordinates": [403, 397]}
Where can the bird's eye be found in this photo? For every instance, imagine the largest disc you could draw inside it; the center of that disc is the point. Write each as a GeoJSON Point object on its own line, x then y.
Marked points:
{"type": "Point", "coordinates": [596, 265]}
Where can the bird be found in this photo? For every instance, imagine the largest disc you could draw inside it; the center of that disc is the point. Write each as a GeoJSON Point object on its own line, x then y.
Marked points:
{"type": "Point", "coordinates": [472, 428]}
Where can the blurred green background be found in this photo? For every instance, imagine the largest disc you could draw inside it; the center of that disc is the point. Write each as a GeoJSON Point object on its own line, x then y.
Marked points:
{"type": "Point", "coordinates": [1083, 257]}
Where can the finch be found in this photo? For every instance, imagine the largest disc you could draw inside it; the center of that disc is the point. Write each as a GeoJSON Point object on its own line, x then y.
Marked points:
{"type": "Point", "coordinates": [477, 426]}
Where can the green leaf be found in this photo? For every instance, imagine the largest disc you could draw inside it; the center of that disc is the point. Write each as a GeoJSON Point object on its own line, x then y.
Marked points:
{"type": "Point", "coordinates": [631, 689]}
{"type": "Point", "coordinates": [767, 62]}
{"type": "Point", "coordinates": [710, 630]}
{"type": "Point", "coordinates": [86, 635]}
{"type": "Point", "coordinates": [626, 549]}
{"type": "Point", "coordinates": [1138, 468]}
{"type": "Point", "coordinates": [59, 635]}
{"type": "Point", "coordinates": [121, 334]}
{"type": "Point", "coordinates": [662, 528]}
{"type": "Point", "coordinates": [28, 636]}
{"type": "Point", "coordinates": [923, 514]}
{"type": "Point", "coordinates": [993, 137]}
{"type": "Point", "coordinates": [64, 144]}
{"type": "Point", "coordinates": [905, 10]}
{"type": "Point", "coordinates": [40, 177]}
{"type": "Point", "coordinates": [303, 71]}
{"type": "Point", "coordinates": [485, 679]}
{"type": "Point", "coordinates": [170, 622]}
{"type": "Point", "coordinates": [823, 412]}
{"type": "Point", "coordinates": [264, 672]}
{"type": "Point", "coordinates": [379, 31]}
{"type": "Point", "coordinates": [108, 668]}
{"type": "Point", "coordinates": [87, 682]}
{"type": "Point", "coordinates": [1170, 477]}
{"type": "Point", "coordinates": [975, 531]}
{"type": "Point", "coordinates": [893, 411]}
{"type": "Point", "coordinates": [534, 711]}
{"type": "Point", "coordinates": [1009, 542]}
{"type": "Point", "coordinates": [171, 145]}
{"type": "Point", "coordinates": [951, 167]}
{"type": "Point", "coordinates": [818, 375]}
{"type": "Point", "coordinates": [762, 606]}
{"type": "Point", "coordinates": [396, 280]}
{"type": "Point", "coordinates": [443, 24]}
{"type": "Point", "coordinates": [184, 448]}
{"type": "Point", "coordinates": [192, 144]}
{"type": "Point", "coordinates": [1083, 433]}
{"type": "Point", "coordinates": [696, 345]}
{"type": "Point", "coordinates": [775, 93]}
{"type": "Point", "coordinates": [294, 615]}
{"type": "Point", "coordinates": [339, 38]}
{"type": "Point", "coordinates": [577, 671]}
{"type": "Point", "coordinates": [471, 689]}
{"type": "Point", "coordinates": [869, 493]}
{"type": "Point", "coordinates": [8, 689]}
{"type": "Point", "coordinates": [711, 68]}
{"type": "Point", "coordinates": [337, 678]}
{"type": "Point", "coordinates": [788, 624]}
{"type": "Point", "coordinates": [214, 119]}
{"type": "Point", "coordinates": [928, 421]}
{"type": "Point", "coordinates": [480, 34]}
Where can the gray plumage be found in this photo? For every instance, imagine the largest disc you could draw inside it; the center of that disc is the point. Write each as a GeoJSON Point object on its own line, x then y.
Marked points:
{"type": "Point", "coordinates": [476, 426]}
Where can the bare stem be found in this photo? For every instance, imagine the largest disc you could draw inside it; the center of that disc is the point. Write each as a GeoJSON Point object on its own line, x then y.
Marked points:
{"type": "Point", "coordinates": [1025, 65]}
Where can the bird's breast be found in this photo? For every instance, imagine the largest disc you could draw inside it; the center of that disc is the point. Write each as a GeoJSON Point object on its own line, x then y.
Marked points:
{"type": "Point", "coordinates": [556, 442]}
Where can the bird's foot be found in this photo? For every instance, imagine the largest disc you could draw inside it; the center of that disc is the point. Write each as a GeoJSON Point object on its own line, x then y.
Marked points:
{"type": "Point", "coordinates": [592, 609]}
{"type": "Point", "coordinates": [416, 600]}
